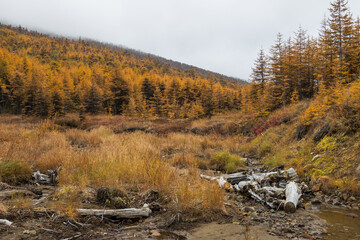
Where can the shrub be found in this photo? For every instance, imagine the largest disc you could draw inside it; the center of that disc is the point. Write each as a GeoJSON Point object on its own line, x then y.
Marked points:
{"type": "Point", "coordinates": [14, 172]}
{"type": "Point", "coordinates": [327, 144]}
{"type": "Point", "coordinates": [225, 161]}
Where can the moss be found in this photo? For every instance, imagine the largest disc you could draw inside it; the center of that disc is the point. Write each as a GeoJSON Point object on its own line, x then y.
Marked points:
{"type": "Point", "coordinates": [327, 144]}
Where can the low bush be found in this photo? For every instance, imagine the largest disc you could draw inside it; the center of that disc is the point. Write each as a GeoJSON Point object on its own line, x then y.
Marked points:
{"type": "Point", "coordinates": [225, 161]}
{"type": "Point", "coordinates": [14, 172]}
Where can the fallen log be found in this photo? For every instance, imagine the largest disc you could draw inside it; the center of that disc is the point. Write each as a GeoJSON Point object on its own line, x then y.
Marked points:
{"type": "Point", "coordinates": [237, 177]}
{"type": "Point", "coordinates": [118, 213]}
{"type": "Point", "coordinates": [293, 194]}
{"type": "Point", "coordinates": [221, 180]}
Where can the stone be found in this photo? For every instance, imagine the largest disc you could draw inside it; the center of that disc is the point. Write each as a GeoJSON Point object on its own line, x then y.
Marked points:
{"type": "Point", "coordinates": [352, 198]}
{"type": "Point", "coordinates": [352, 215]}
{"type": "Point", "coordinates": [253, 215]}
{"type": "Point", "coordinates": [306, 236]}
{"type": "Point", "coordinates": [249, 209]}
{"type": "Point", "coordinates": [316, 187]}
{"type": "Point", "coordinates": [155, 233]}
{"type": "Point", "coordinates": [357, 171]}
{"type": "Point", "coordinates": [31, 232]}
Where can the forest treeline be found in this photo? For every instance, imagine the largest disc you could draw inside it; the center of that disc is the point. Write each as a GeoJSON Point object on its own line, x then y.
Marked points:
{"type": "Point", "coordinates": [46, 76]}
{"type": "Point", "coordinates": [302, 66]}
{"type": "Point", "coordinates": [49, 76]}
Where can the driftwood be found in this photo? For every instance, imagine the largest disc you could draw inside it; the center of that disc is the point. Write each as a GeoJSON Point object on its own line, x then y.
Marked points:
{"type": "Point", "coordinates": [221, 180]}
{"type": "Point", "coordinates": [6, 222]}
{"type": "Point", "coordinates": [267, 188]}
{"type": "Point", "coordinates": [50, 179]}
{"type": "Point", "coordinates": [236, 178]}
{"type": "Point", "coordinates": [118, 213]}
{"type": "Point", "coordinates": [293, 195]}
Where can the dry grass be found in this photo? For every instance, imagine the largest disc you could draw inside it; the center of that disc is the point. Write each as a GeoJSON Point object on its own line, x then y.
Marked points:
{"type": "Point", "coordinates": [125, 161]}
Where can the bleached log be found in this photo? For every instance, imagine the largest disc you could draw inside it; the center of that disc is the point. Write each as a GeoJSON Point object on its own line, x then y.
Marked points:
{"type": "Point", "coordinates": [293, 194]}
{"type": "Point", "coordinates": [221, 180]}
{"type": "Point", "coordinates": [119, 213]}
{"type": "Point", "coordinates": [208, 177]}
{"type": "Point", "coordinates": [236, 178]}
{"type": "Point", "coordinates": [273, 191]}
{"type": "Point", "coordinates": [256, 197]}
{"type": "Point", "coordinates": [6, 222]}
{"type": "Point", "coordinates": [290, 174]}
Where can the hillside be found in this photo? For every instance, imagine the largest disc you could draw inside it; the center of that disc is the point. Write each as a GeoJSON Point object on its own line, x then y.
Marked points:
{"type": "Point", "coordinates": [45, 76]}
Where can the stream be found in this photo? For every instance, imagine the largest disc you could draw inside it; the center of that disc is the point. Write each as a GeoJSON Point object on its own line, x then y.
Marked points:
{"type": "Point", "coordinates": [343, 223]}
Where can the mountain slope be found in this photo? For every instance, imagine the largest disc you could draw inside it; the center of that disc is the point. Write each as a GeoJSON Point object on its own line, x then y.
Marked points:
{"type": "Point", "coordinates": [45, 75]}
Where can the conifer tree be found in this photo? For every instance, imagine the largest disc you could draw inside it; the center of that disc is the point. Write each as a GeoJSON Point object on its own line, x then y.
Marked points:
{"type": "Point", "coordinates": [342, 30]}
{"type": "Point", "coordinates": [93, 100]}
{"type": "Point", "coordinates": [120, 92]}
{"type": "Point", "coordinates": [259, 75]}
{"type": "Point", "coordinates": [4, 85]}
{"type": "Point", "coordinates": [277, 74]}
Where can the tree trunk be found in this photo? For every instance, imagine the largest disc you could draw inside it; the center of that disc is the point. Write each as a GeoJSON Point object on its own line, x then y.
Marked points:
{"type": "Point", "coordinates": [293, 194]}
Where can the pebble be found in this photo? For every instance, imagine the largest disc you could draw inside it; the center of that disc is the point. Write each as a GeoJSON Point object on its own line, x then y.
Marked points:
{"type": "Point", "coordinates": [253, 215]}
{"type": "Point", "coordinates": [155, 233]}
{"type": "Point", "coordinates": [31, 232]}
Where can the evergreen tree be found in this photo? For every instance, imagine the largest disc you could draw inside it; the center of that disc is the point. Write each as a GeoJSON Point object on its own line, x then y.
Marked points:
{"type": "Point", "coordinates": [341, 28]}
{"type": "Point", "coordinates": [260, 73]}
{"type": "Point", "coordinates": [93, 100]}
{"type": "Point", "coordinates": [120, 93]}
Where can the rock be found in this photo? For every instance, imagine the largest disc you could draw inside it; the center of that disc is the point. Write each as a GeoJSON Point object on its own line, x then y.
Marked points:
{"type": "Point", "coordinates": [352, 215]}
{"type": "Point", "coordinates": [249, 209]}
{"type": "Point", "coordinates": [336, 201]}
{"type": "Point", "coordinates": [253, 215]}
{"type": "Point", "coordinates": [357, 171]}
{"type": "Point", "coordinates": [113, 197]}
{"type": "Point", "coordinates": [316, 200]}
{"type": "Point", "coordinates": [307, 236]}
{"type": "Point", "coordinates": [316, 187]}
{"type": "Point", "coordinates": [155, 233]}
{"type": "Point", "coordinates": [31, 232]}
{"type": "Point", "coordinates": [345, 196]}
{"type": "Point", "coordinates": [308, 206]}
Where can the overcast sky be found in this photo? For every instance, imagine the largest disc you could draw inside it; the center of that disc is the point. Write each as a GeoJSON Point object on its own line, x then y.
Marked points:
{"type": "Point", "coordinates": [219, 35]}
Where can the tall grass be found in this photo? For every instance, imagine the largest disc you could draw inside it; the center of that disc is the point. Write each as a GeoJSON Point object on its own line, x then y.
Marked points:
{"type": "Point", "coordinates": [125, 161]}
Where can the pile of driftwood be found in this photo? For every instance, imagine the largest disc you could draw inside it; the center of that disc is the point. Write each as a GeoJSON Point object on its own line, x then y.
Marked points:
{"type": "Point", "coordinates": [275, 189]}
